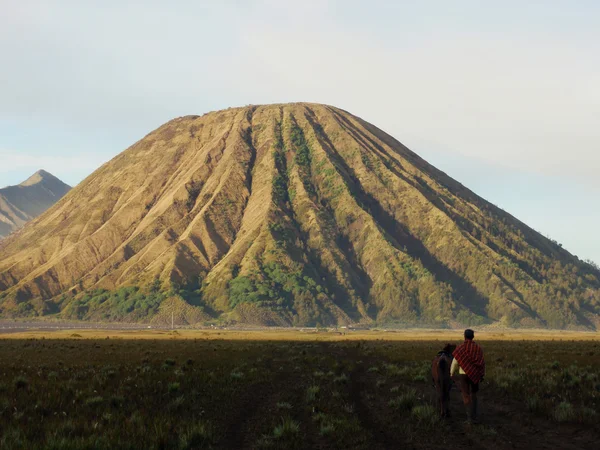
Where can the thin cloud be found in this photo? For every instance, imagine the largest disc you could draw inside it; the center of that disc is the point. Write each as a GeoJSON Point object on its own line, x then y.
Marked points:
{"type": "Point", "coordinates": [527, 99]}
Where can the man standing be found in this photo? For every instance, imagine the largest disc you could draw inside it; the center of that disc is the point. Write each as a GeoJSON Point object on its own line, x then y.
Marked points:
{"type": "Point", "coordinates": [469, 365]}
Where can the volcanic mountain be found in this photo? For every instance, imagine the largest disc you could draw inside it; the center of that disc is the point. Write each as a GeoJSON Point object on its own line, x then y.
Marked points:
{"type": "Point", "coordinates": [19, 204]}
{"type": "Point", "coordinates": [294, 214]}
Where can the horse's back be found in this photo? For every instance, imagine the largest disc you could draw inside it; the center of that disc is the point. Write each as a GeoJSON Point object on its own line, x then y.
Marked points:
{"type": "Point", "coordinates": [434, 368]}
{"type": "Point", "coordinates": [439, 366]}
{"type": "Point", "coordinates": [440, 369]}
{"type": "Point", "coordinates": [443, 364]}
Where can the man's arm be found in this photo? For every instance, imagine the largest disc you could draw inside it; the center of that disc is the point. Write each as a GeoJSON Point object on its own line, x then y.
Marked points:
{"type": "Point", "coordinates": [454, 368]}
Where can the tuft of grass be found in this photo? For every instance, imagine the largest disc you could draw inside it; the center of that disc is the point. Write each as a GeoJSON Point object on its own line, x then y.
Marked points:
{"type": "Point", "coordinates": [4, 406]}
{"type": "Point", "coordinates": [327, 429]}
{"type": "Point", "coordinates": [284, 405]}
{"type": "Point", "coordinates": [264, 442]}
{"type": "Point", "coordinates": [404, 402]}
{"type": "Point", "coordinates": [312, 392]}
{"type": "Point", "coordinates": [288, 428]}
{"type": "Point", "coordinates": [348, 407]}
{"type": "Point", "coordinates": [198, 435]}
{"type": "Point", "coordinates": [564, 412]}
{"type": "Point", "coordinates": [93, 402]}
{"type": "Point", "coordinates": [173, 387]}
{"type": "Point", "coordinates": [53, 376]}
{"type": "Point", "coordinates": [484, 432]}
{"type": "Point", "coordinates": [534, 404]}
{"type": "Point", "coordinates": [425, 415]}
{"type": "Point", "coordinates": [589, 416]}
{"type": "Point", "coordinates": [236, 375]}
{"type": "Point", "coordinates": [342, 379]}
{"type": "Point", "coordinates": [20, 382]}
{"type": "Point", "coordinates": [177, 403]}
{"type": "Point", "coordinates": [319, 416]}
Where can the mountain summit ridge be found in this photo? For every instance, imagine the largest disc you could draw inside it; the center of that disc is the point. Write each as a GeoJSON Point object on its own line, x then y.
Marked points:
{"type": "Point", "coordinates": [289, 214]}
{"type": "Point", "coordinates": [41, 176]}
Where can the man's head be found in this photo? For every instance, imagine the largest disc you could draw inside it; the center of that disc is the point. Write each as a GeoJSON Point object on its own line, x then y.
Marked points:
{"type": "Point", "coordinates": [469, 334]}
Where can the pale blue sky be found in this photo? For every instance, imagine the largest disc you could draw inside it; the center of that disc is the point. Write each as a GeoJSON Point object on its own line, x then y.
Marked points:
{"type": "Point", "coordinates": [503, 96]}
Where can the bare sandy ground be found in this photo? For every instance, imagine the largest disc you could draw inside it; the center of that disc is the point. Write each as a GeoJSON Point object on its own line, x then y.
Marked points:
{"type": "Point", "coordinates": [301, 335]}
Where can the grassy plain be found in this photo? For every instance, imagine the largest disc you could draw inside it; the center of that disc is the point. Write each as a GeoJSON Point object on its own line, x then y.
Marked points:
{"type": "Point", "coordinates": [289, 389]}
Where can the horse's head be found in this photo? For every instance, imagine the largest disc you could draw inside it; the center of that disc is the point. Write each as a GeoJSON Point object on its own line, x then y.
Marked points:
{"type": "Point", "coordinates": [449, 348]}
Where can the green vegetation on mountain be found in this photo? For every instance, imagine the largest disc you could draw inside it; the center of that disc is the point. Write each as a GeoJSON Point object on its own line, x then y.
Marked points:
{"type": "Point", "coordinates": [296, 214]}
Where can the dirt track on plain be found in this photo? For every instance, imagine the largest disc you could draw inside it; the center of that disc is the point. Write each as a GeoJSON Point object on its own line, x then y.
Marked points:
{"type": "Point", "coordinates": [295, 334]}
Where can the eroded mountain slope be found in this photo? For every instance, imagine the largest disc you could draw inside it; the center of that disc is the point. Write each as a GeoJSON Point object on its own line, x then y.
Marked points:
{"type": "Point", "coordinates": [289, 214]}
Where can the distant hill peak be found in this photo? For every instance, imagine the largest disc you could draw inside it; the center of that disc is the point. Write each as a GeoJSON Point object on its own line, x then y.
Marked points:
{"type": "Point", "coordinates": [39, 177]}
{"type": "Point", "coordinates": [26, 201]}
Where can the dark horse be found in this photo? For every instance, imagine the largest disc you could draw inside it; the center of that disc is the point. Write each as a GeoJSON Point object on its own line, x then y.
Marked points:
{"type": "Point", "coordinates": [440, 372]}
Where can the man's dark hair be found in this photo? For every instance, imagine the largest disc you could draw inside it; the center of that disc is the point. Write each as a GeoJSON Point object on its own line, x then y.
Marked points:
{"type": "Point", "coordinates": [469, 334]}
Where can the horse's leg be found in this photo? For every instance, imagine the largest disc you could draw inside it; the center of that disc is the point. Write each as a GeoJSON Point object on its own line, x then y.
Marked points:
{"type": "Point", "coordinates": [441, 386]}
{"type": "Point", "coordinates": [438, 392]}
{"type": "Point", "coordinates": [442, 399]}
{"type": "Point", "coordinates": [435, 376]}
{"type": "Point", "coordinates": [446, 402]}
